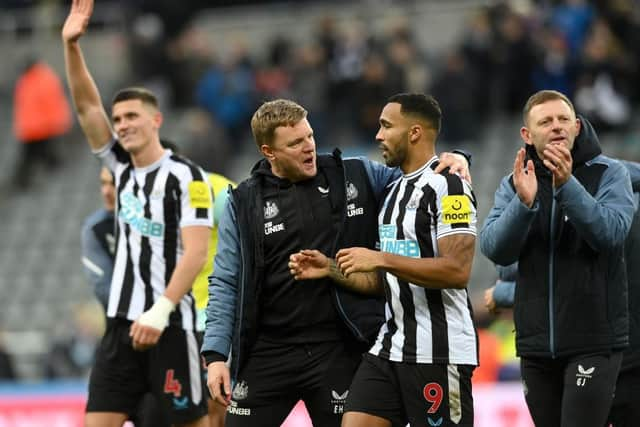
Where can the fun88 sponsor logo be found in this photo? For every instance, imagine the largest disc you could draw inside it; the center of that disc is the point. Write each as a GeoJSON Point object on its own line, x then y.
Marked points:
{"type": "Point", "coordinates": [389, 243]}
{"type": "Point", "coordinates": [132, 212]}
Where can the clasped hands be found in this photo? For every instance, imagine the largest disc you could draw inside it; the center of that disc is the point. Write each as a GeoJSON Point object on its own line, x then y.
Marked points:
{"type": "Point", "coordinates": [313, 264]}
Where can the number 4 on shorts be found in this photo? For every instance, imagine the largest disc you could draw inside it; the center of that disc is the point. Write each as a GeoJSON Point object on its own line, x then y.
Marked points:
{"type": "Point", "coordinates": [172, 385]}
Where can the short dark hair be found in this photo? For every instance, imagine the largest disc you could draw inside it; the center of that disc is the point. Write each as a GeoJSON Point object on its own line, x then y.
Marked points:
{"type": "Point", "coordinates": [424, 106]}
{"type": "Point", "coordinates": [541, 97]}
{"type": "Point", "coordinates": [144, 95]}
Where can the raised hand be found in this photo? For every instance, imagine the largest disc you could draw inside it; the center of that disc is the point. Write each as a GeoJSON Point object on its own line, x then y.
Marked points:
{"type": "Point", "coordinates": [309, 264]}
{"type": "Point", "coordinates": [557, 158]}
{"type": "Point", "coordinates": [352, 260]}
{"type": "Point", "coordinates": [524, 179]}
{"type": "Point", "coordinates": [77, 21]}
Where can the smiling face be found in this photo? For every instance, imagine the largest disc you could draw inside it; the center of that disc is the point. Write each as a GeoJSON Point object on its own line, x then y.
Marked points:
{"type": "Point", "coordinates": [393, 135]}
{"type": "Point", "coordinates": [550, 122]}
{"type": "Point", "coordinates": [292, 153]}
{"type": "Point", "coordinates": [136, 124]}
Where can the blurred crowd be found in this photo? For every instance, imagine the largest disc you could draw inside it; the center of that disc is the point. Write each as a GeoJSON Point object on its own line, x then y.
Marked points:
{"type": "Point", "coordinates": [589, 50]}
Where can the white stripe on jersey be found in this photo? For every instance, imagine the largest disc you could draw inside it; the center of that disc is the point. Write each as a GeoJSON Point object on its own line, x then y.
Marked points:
{"type": "Point", "coordinates": [424, 325]}
{"type": "Point", "coordinates": [152, 205]}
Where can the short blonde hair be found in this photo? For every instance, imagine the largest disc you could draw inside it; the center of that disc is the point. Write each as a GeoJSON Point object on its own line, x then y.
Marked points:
{"type": "Point", "coordinates": [273, 114]}
{"type": "Point", "coordinates": [541, 97]}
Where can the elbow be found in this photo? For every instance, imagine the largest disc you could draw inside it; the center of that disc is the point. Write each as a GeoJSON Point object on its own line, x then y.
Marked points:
{"type": "Point", "coordinates": [458, 278]}
{"type": "Point", "coordinates": [460, 281]}
{"type": "Point", "coordinates": [199, 257]}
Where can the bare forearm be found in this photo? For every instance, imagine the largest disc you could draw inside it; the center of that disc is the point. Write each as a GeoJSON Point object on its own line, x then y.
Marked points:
{"type": "Point", "coordinates": [184, 275]}
{"type": "Point", "coordinates": [432, 273]}
{"type": "Point", "coordinates": [365, 283]}
{"type": "Point", "coordinates": [86, 97]}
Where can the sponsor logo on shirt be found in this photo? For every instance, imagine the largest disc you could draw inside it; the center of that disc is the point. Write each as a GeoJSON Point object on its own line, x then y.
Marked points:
{"type": "Point", "coordinates": [456, 210]}
{"type": "Point", "coordinates": [352, 191]}
{"type": "Point", "coordinates": [199, 195]}
{"type": "Point", "coordinates": [270, 210]}
{"type": "Point", "coordinates": [353, 210]}
{"type": "Point", "coordinates": [270, 228]}
{"type": "Point", "coordinates": [132, 212]}
{"type": "Point", "coordinates": [240, 391]}
{"type": "Point", "coordinates": [389, 243]}
{"type": "Point", "coordinates": [234, 409]}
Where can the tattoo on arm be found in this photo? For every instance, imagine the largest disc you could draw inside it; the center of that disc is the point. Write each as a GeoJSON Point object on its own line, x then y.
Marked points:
{"type": "Point", "coordinates": [366, 283]}
{"type": "Point", "coordinates": [335, 274]}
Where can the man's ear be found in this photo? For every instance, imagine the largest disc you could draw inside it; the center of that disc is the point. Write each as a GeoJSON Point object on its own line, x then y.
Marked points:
{"type": "Point", "coordinates": [158, 118]}
{"type": "Point", "coordinates": [267, 152]}
{"type": "Point", "coordinates": [578, 126]}
{"type": "Point", "coordinates": [525, 134]}
{"type": "Point", "coordinates": [415, 133]}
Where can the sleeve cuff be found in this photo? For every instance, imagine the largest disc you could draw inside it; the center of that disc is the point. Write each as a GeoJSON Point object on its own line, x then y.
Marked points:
{"type": "Point", "coordinates": [213, 356]}
{"type": "Point", "coordinates": [466, 154]}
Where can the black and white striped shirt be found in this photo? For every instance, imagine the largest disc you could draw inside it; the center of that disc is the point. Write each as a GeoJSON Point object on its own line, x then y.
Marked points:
{"type": "Point", "coordinates": [425, 325]}
{"type": "Point", "coordinates": [153, 204]}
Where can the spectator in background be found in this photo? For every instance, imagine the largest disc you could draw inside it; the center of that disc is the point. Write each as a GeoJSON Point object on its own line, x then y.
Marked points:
{"type": "Point", "coordinates": [572, 18]}
{"type": "Point", "coordinates": [476, 47]}
{"type": "Point", "coordinates": [41, 113]}
{"type": "Point", "coordinates": [602, 84]}
{"type": "Point", "coordinates": [370, 95]}
{"type": "Point", "coordinates": [227, 92]}
{"type": "Point", "coordinates": [72, 351]}
{"type": "Point", "coordinates": [99, 242]}
{"type": "Point", "coordinates": [556, 67]}
{"type": "Point", "coordinates": [309, 83]}
{"type": "Point", "coordinates": [454, 85]}
{"type": "Point", "coordinates": [7, 369]}
{"type": "Point", "coordinates": [513, 61]}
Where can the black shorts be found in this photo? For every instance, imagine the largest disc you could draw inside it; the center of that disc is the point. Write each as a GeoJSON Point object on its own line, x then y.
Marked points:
{"type": "Point", "coordinates": [420, 394]}
{"type": "Point", "coordinates": [277, 376]}
{"type": "Point", "coordinates": [171, 370]}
